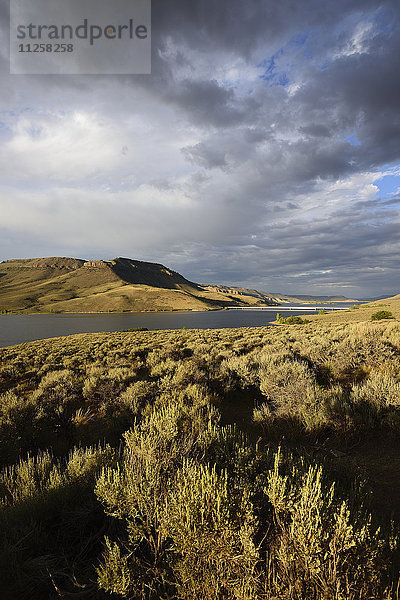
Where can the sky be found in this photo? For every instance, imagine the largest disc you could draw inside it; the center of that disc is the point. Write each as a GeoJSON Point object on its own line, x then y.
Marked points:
{"type": "Point", "coordinates": [263, 150]}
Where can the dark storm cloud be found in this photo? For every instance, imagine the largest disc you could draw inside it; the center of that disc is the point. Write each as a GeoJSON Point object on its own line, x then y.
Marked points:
{"type": "Point", "coordinates": [363, 92]}
{"type": "Point", "coordinates": [239, 26]}
{"type": "Point", "coordinates": [206, 101]}
{"type": "Point", "coordinates": [206, 156]}
{"type": "Point", "coordinates": [315, 130]}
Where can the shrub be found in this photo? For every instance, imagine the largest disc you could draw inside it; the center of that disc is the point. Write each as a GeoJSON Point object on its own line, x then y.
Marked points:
{"type": "Point", "coordinates": [137, 491]}
{"type": "Point", "coordinates": [50, 525]}
{"type": "Point", "coordinates": [205, 531]}
{"type": "Point", "coordinates": [321, 550]}
{"type": "Point", "coordinates": [213, 529]}
{"type": "Point", "coordinates": [17, 426]}
{"type": "Point", "coordinates": [292, 320]}
{"type": "Point", "coordinates": [381, 314]}
{"type": "Point", "coordinates": [136, 396]}
{"type": "Point", "coordinates": [37, 475]}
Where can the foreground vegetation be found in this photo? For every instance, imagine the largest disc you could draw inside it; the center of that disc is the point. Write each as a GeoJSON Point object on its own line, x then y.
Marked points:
{"type": "Point", "coordinates": [217, 464]}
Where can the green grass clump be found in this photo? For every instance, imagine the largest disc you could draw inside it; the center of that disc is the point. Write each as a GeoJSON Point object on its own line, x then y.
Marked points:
{"type": "Point", "coordinates": [381, 314]}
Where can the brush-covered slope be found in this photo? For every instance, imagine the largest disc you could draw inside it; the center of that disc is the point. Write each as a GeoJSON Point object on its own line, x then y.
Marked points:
{"type": "Point", "coordinates": [272, 297]}
{"type": "Point", "coordinates": [396, 297]}
{"type": "Point", "coordinates": [59, 284]}
{"type": "Point", "coordinates": [249, 295]}
{"type": "Point", "coordinates": [308, 298]}
{"type": "Point", "coordinates": [360, 312]}
{"type": "Point", "coordinates": [195, 498]}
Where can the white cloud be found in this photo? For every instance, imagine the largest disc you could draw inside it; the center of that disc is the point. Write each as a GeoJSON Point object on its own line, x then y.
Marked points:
{"type": "Point", "coordinates": [89, 147]}
{"type": "Point", "coordinates": [358, 42]}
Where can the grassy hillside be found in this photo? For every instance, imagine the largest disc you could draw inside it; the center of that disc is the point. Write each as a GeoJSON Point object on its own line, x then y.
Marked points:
{"type": "Point", "coordinates": [73, 285]}
{"type": "Point", "coordinates": [362, 312]}
{"type": "Point", "coordinates": [274, 298]}
{"type": "Point", "coordinates": [258, 298]}
{"type": "Point", "coordinates": [253, 463]}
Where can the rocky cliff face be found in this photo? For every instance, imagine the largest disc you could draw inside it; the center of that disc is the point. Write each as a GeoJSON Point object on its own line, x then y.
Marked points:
{"type": "Point", "coordinates": [97, 264]}
{"type": "Point", "coordinates": [152, 274]}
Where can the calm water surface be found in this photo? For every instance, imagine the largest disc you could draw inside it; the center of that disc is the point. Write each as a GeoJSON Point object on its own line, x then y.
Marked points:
{"type": "Point", "coordinates": [15, 329]}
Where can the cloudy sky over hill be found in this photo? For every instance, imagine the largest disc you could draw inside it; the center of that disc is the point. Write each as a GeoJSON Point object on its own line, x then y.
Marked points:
{"type": "Point", "coordinates": [263, 150]}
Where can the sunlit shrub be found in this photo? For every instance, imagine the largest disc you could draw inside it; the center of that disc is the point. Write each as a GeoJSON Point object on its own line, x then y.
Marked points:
{"type": "Point", "coordinates": [381, 314]}
{"type": "Point", "coordinates": [321, 550]}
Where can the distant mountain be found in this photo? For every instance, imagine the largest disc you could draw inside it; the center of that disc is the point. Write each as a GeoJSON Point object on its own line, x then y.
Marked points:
{"type": "Point", "coordinates": [396, 297]}
{"type": "Point", "coordinates": [306, 298]}
{"type": "Point", "coordinates": [275, 298]}
{"type": "Point", "coordinates": [375, 298]}
{"type": "Point", "coordinates": [260, 298]}
{"type": "Point", "coordinates": [60, 284]}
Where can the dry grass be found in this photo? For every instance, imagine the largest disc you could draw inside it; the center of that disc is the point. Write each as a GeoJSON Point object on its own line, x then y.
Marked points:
{"type": "Point", "coordinates": [363, 313]}
{"type": "Point", "coordinates": [127, 459]}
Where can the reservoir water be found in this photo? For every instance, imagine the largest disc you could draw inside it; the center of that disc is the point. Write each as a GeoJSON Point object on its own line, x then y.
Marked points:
{"type": "Point", "coordinates": [15, 329]}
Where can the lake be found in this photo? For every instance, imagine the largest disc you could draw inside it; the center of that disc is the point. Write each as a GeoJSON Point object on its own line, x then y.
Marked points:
{"type": "Point", "coordinates": [15, 329]}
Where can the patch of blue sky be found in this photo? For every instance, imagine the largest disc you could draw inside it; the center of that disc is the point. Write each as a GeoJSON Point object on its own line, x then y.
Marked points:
{"type": "Point", "coordinates": [353, 140]}
{"type": "Point", "coordinates": [385, 20]}
{"type": "Point", "coordinates": [388, 185]}
{"type": "Point", "coordinates": [5, 131]}
{"type": "Point", "coordinates": [269, 64]}
{"type": "Point", "coordinates": [8, 116]}
{"type": "Point", "coordinates": [230, 84]}
{"type": "Point", "coordinates": [303, 40]}
{"type": "Point", "coordinates": [323, 66]}
{"type": "Point", "coordinates": [282, 79]}
{"type": "Point", "coordinates": [272, 74]}
{"type": "Point", "coordinates": [34, 132]}
{"type": "Point", "coordinates": [308, 52]}
{"type": "Point", "coordinates": [276, 79]}
{"type": "Point", "coordinates": [300, 38]}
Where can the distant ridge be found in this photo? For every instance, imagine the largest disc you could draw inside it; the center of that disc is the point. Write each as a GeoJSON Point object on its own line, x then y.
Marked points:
{"type": "Point", "coordinates": [62, 284]}
{"type": "Point", "coordinates": [307, 298]}
{"type": "Point", "coordinates": [396, 297]}
{"type": "Point", "coordinates": [376, 298]}
{"type": "Point", "coordinates": [275, 297]}
{"type": "Point", "coordinates": [260, 297]}
{"type": "Point", "coordinates": [50, 262]}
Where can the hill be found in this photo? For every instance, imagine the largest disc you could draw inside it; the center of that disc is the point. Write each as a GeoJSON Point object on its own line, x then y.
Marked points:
{"type": "Point", "coordinates": [396, 297]}
{"type": "Point", "coordinates": [260, 298]}
{"type": "Point", "coordinates": [60, 284]}
{"type": "Point", "coordinates": [359, 313]}
{"type": "Point", "coordinates": [306, 298]}
{"type": "Point", "coordinates": [274, 297]}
